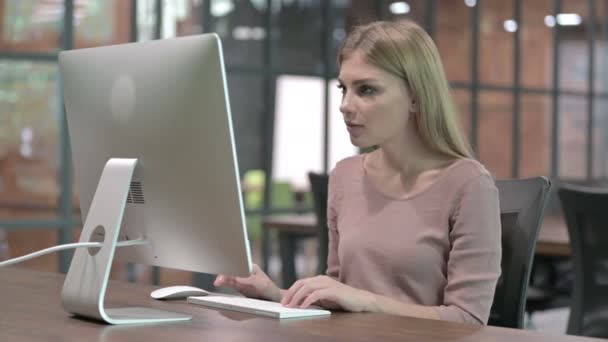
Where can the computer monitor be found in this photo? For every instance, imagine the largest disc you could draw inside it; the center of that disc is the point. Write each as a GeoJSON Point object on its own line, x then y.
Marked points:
{"type": "Point", "coordinates": [154, 158]}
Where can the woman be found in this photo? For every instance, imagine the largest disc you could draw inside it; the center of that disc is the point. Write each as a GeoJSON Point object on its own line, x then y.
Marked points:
{"type": "Point", "coordinates": [414, 226]}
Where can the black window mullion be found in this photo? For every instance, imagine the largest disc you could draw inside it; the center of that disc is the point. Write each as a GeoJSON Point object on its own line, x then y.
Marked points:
{"type": "Point", "coordinates": [557, 5]}
{"type": "Point", "coordinates": [206, 16]}
{"type": "Point", "coordinates": [327, 37]}
{"type": "Point", "coordinates": [159, 19]}
{"type": "Point", "coordinates": [268, 137]}
{"type": "Point", "coordinates": [429, 17]}
{"type": "Point", "coordinates": [475, 76]}
{"type": "Point", "coordinates": [379, 7]}
{"type": "Point", "coordinates": [603, 154]}
{"type": "Point", "coordinates": [158, 14]}
{"type": "Point", "coordinates": [591, 87]}
{"type": "Point", "coordinates": [516, 91]}
{"type": "Point", "coordinates": [133, 33]}
{"type": "Point", "coordinates": [65, 152]}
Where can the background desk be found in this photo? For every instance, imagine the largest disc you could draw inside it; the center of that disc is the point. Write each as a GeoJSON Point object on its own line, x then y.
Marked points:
{"type": "Point", "coordinates": [30, 310]}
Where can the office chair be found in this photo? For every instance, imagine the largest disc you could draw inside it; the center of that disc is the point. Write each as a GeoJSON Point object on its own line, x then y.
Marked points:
{"type": "Point", "coordinates": [318, 186]}
{"type": "Point", "coordinates": [586, 212]}
{"type": "Point", "coordinates": [522, 205]}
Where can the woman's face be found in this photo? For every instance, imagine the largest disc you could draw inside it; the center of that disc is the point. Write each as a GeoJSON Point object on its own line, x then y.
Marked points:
{"type": "Point", "coordinates": [376, 105]}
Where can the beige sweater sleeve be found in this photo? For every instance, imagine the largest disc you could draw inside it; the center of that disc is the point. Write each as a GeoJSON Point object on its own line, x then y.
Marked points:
{"type": "Point", "coordinates": [475, 254]}
{"type": "Point", "coordinates": [333, 262]}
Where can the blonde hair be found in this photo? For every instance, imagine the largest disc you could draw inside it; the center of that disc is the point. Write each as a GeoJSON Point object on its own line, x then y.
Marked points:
{"type": "Point", "coordinates": [404, 49]}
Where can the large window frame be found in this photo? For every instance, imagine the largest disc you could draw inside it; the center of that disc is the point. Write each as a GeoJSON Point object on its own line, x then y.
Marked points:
{"type": "Point", "coordinates": [65, 221]}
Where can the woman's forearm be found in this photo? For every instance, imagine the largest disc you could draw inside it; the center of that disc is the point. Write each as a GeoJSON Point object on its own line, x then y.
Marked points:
{"type": "Point", "coordinates": [383, 304]}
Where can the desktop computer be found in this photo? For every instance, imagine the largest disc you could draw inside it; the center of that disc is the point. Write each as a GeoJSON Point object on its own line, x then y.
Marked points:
{"type": "Point", "coordinates": [154, 159]}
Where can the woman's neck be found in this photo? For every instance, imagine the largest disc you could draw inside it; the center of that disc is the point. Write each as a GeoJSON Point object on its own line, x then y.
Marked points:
{"type": "Point", "coordinates": [409, 156]}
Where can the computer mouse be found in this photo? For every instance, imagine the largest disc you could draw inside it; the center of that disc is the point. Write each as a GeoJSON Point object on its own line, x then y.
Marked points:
{"type": "Point", "coordinates": [177, 292]}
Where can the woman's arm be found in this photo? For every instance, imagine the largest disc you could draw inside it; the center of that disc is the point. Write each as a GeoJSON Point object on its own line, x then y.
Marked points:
{"type": "Point", "coordinates": [473, 265]}
{"type": "Point", "coordinates": [333, 201]}
{"type": "Point", "coordinates": [384, 304]}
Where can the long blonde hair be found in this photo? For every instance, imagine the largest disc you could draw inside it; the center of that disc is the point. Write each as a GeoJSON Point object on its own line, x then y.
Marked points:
{"type": "Point", "coordinates": [404, 49]}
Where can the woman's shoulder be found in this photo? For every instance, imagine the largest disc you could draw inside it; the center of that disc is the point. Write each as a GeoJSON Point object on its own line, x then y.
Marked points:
{"type": "Point", "coordinates": [349, 165]}
{"type": "Point", "coordinates": [467, 171]}
{"type": "Point", "coordinates": [469, 168]}
{"type": "Point", "coordinates": [346, 173]}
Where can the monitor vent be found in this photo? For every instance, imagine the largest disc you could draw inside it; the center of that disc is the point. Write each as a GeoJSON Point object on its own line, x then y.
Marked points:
{"type": "Point", "coordinates": [136, 194]}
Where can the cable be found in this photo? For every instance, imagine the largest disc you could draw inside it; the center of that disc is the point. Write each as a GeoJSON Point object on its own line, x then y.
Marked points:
{"type": "Point", "coordinates": [127, 243]}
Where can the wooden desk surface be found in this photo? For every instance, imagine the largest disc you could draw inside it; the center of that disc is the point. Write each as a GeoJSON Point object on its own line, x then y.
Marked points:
{"type": "Point", "coordinates": [553, 238]}
{"type": "Point", "coordinates": [31, 311]}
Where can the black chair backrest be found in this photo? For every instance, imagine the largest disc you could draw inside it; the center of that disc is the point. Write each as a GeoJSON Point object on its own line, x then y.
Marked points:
{"type": "Point", "coordinates": [586, 212]}
{"type": "Point", "coordinates": [318, 186]}
{"type": "Point", "coordinates": [522, 205]}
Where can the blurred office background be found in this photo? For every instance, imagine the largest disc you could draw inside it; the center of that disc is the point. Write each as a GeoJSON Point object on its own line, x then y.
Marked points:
{"type": "Point", "coordinates": [530, 79]}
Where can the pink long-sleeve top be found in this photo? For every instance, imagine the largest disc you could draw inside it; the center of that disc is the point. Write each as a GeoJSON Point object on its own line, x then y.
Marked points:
{"type": "Point", "coordinates": [439, 247]}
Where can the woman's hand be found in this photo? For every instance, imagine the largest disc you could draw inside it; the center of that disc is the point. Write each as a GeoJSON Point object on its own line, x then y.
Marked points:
{"type": "Point", "coordinates": [257, 285]}
{"type": "Point", "coordinates": [328, 293]}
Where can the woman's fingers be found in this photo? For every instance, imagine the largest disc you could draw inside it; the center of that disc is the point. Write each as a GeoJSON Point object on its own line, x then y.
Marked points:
{"type": "Point", "coordinates": [222, 280]}
{"type": "Point", "coordinates": [219, 280]}
{"type": "Point", "coordinates": [256, 269]}
{"type": "Point", "coordinates": [300, 295]}
{"type": "Point", "coordinates": [314, 297]}
{"type": "Point", "coordinates": [304, 289]}
{"type": "Point", "coordinates": [291, 291]}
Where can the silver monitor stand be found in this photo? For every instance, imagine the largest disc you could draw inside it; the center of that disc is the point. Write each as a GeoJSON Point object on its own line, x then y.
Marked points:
{"type": "Point", "coordinates": [86, 282]}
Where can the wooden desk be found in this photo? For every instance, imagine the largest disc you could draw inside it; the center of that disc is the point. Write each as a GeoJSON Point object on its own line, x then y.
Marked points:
{"type": "Point", "coordinates": [31, 311]}
{"type": "Point", "coordinates": [305, 224]}
{"type": "Point", "coordinates": [552, 241]}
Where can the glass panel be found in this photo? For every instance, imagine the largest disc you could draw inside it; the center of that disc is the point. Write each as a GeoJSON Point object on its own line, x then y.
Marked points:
{"type": "Point", "coordinates": [248, 116]}
{"type": "Point", "coordinates": [536, 44]}
{"type": "Point", "coordinates": [601, 47]}
{"type": "Point", "coordinates": [182, 18]}
{"type": "Point", "coordinates": [30, 25]}
{"type": "Point", "coordinates": [179, 18]}
{"type": "Point", "coordinates": [345, 15]}
{"type": "Point", "coordinates": [453, 39]}
{"type": "Point", "coordinates": [298, 130]}
{"type": "Point", "coordinates": [28, 157]}
{"type": "Point", "coordinates": [495, 132]}
{"type": "Point", "coordinates": [146, 19]}
{"type": "Point", "coordinates": [600, 132]}
{"type": "Point", "coordinates": [298, 38]}
{"type": "Point", "coordinates": [535, 135]}
{"type": "Point", "coordinates": [101, 22]}
{"type": "Point", "coordinates": [240, 24]}
{"type": "Point", "coordinates": [28, 138]}
{"type": "Point", "coordinates": [412, 9]}
{"type": "Point", "coordinates": [24, 241]}
{"type": "Point", "coordinates": [573, 137]}
{"type": "Point", "coordinates": [462, 100]}
{"type": "Point", "coordinates": [573, 50]}
{"type": "Point", "coordinates": [496, 42]}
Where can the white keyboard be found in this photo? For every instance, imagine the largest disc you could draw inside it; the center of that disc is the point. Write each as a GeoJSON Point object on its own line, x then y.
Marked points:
{"type": "Point", "coordinates": [256, 307]}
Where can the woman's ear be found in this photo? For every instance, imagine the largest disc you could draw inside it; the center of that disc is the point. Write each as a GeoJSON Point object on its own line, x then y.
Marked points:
{"type": "Point", "coordinates": [414, 108]}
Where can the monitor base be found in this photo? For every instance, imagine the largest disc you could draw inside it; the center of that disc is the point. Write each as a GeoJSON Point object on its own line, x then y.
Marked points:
{"type": "Point", "coordinates": [134, 315]}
